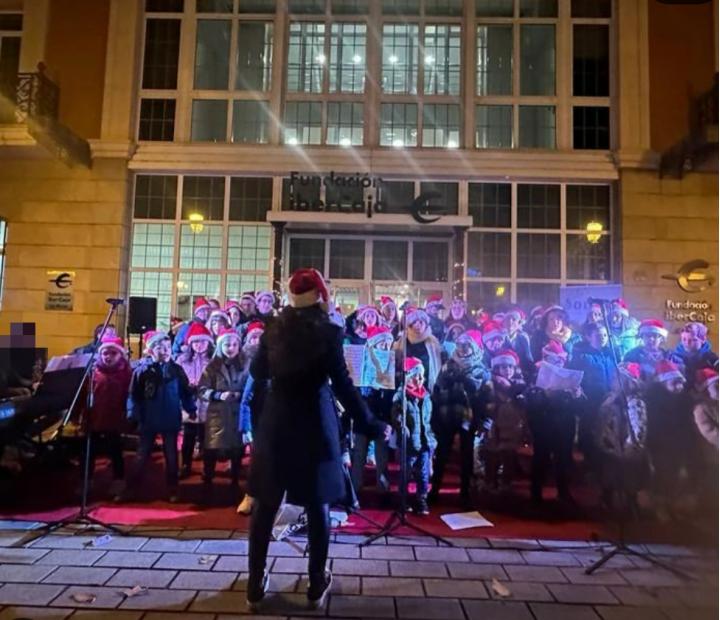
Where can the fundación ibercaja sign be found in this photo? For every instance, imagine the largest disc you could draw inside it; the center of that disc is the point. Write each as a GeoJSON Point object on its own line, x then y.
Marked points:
{"type": "Point", "coordinates": [692, 278]}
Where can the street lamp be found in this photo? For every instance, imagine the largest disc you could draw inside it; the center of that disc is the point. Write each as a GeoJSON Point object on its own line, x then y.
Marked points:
{"type": "Point", "coordinates": [593, 232]}
{"type": "Point", "coordinates": [196, 222]}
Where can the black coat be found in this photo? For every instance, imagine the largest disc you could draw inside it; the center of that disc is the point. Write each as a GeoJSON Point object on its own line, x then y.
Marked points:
{"type": "Point", "coordinates": [297, 438]}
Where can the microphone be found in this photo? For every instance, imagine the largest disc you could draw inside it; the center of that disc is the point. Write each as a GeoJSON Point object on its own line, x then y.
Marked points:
{"type": "Point", "coordinates": [113, 301]}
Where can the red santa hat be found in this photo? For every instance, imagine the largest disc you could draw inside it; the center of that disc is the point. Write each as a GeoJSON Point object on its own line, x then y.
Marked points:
{"type": "Point", "coordinates": [226, 333]}
{"type": "Point", "coordinates": [306, 288]}
{"type": "Point", "coordinates": [201, 303]}
{"type": "Point", "coordinates": [413, 366]}
{"type": "Point", "coordinates": [255, 326]}
{"type": "Point", "coordinates": [152, 337]}
{"type": "Point", "coordinates": [482, 317]}
{"type": "Point", "coordinates": [435, 300]}
{"type": "Point", "coordinates": [367, 309]}
{"type": "Point", "coordinates": [631, 369]}
{"type": "Point", "coordinates": [553, 347]}
{"type": "Point", "coordinates": [232, 303]}
{"type": "Point", "coordinates": [261, 294]}
{"type": "Point", "coordinates": [507, 357]}
{"type": "Point", "coordinates": [620, 305]}
{"type": "Point", "coordinates": [652, 326]}
{"type": "Point", "coordinates": [476, 336]}
{"type": "Point", "coordinates": [219, 314]}
{"type": "Point", "coordinates": [698, 330]}
{"type": "Point", "coordinates": [517, 313]}
{"type": "Point", "coordinates": [705, 377]}
{"type": "Point", "coordinates": [665, 370]}
{"type": "Point", "coordinates": [386, 300]}
{"type": "Point", "coordinates": [492, 329]}
{"type": "Point", "coordinates": [414, 314]}
{"type": "Point", "coordinates": [198, 332]}
{"type": "Point", "coordinates": [377, 334]}
{"type": "Point", "coordinates": [112, 342]}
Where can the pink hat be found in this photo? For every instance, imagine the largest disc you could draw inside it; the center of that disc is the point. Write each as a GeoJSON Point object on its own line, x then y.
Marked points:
{"type": "Point", "coordinates": [517, 313]}
{"type": "Point", "coordinates": [261, 294]}
{"type": "Point", "coordinates": [492, 329]}
{"type": "Point", "coordinates": [652, 326]}
{"type": "Point", "coordinates": [705, 377]}
{"type": "Point", "coordinates": [232, 303]}
{"type": "Point", "coordinates": [255, 326]}
{"type": "Point", "coordinates": [413, 366]}
{"type": "Point", "coordinates": [152, 337]}
{"type": "Point", "coordinates": [378, 333]}
{"type": "Point", "coordinates": [621, 306]}
{"type": "Point", "coordinates": [553, 347]}
{"type": "Point", "coordinates": [219, 314]}
{"type": "Point", "coordinates": [367, 309]}
{"type": "Point", "coordinates": [226, 333]}
{"type": "Point", "coordinates": [413, 314]}
{"type": "Point", "coordinates": [198, 332]}
{"type": "Point", "coordinates": [631, 369]}
{"type": "Point", "coordinates": [665, 370]}
{"type": "Point", "coordinates": [200, 304]}
{"type": "Point", "coordinates": [112, 342]}
{"type": "Point", "coordinates": [476, 336]}
{"type": "Point", "coordinates": [386, 300]}
{"type": "Point", "coordinates": [307, 287]}
{"type": "Point", "coordinates": [508, 357]}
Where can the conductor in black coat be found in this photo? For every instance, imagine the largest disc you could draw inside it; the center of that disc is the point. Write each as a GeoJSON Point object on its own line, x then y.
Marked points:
{"type": "Point", "coordinates": [297, 438]}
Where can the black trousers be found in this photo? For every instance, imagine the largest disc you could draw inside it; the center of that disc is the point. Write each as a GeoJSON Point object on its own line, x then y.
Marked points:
{"type": "Point", "coordinates": [193, 433]}
{"type": "Point", "coordinates": [552, 444]}
{"type": "Point", "coordinates": [110, 445]}
{"type": "Point", "coordinates": [170, 451]}
{"type": "Point", "coordinates": [261, 523]}
{"type": "Point", "coordinates": [445, 439]}
{"type": "Point", "coordinates": [210, 459]}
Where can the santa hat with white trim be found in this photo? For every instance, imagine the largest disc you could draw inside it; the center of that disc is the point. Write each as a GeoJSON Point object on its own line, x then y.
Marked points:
{"type": "Point", "coordinates": [225, 334]}
{"type": "Point", "coordinates": [652, 326]}
{"type": "Point", "coordinates": [254, 327]}
{"type": "Point", "coordinates": [151, 338]}
{"type": "Point", "coordinates": [620, 305]}
{"type": "Point", "coordinates": [492, 329]}
{"type": "Point", "coordinates": [248, 296]}
{"type": "Point", "coordinates": [435, 300]}
{"type": "Point", "coordinates": [219, 314]}
{"type": "Point", "coordinates": [198, 332]}
{"type": "Point", "coordinates": [517, 313]}
{"type": "Point", "coordinates": [507, 357]}
{"type": "Point", "coordinates": [665, 370]}
{"type": "Point", "coordinates": [386, 300]}
{"type": "Point", "coordinates": [201, 303]}
{"type": "Point", "coordinates": [306, 288]}
{"type": "Point", "coordinates": [705, 377]}
{"type": "Point", "coordinates": [413, 315]}
{"type": "Point", "coordinates": [261, 294]}
{"type": "Point", "coordinates": [377, 334]}
{"type": "Point", "coordinates": [413, 366]}
{"type": "Point", "coordinates": [367, 309]}
{"type": "Point", "coordinates": [112, 342]}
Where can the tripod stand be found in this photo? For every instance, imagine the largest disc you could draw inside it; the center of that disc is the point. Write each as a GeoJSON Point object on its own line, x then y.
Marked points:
{"type": "Point", "coordinates": [82, 516]}
{"type": "Point", "coordinates": [620, 546]}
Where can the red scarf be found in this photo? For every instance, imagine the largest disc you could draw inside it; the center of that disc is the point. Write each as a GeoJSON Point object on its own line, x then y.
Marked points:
{"type": "Point", "coordinates": [418, 392]}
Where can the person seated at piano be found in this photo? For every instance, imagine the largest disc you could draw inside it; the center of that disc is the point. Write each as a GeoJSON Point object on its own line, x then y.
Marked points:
{"type": "Point", "coordinates": [13, 385]}
{"type": "Point", "coordinates": [90, 346]}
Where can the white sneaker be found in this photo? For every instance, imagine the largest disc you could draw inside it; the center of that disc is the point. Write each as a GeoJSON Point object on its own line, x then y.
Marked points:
{"type": "Point", "coordinates": [246, 506]}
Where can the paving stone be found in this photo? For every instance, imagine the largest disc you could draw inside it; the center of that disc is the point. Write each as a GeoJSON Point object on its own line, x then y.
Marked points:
{"type": "Point", "coordinates": [13, 524]}
{"type": "Point", "coordinates": [282, 582]}
{"type": "Point", "coordinates": [72, 557]}
{"type": "Point", "coordinates": [586, 558]}
{"type": "Point", "coordinates": [203, 534]}
{"type": "Point", "coordinates": [415, 541]}
{"type": "Point", "coordinates": [683, 613]}
{"type": "Point", "coordinates": [129, 577]}
{"type": "Point", "coordinates": [543, 574]}
{"type": "Point", "coordinates": [180, 615]}
{"type": "Point", "coordinates": [116, 543]}
{"type": "Point", "coordinates": [602, 576]}
{"type": "Point", "coordinates": [237, 563]}
{"type": "Point", "coordinates": [565, 544]}
{"type": "Point", "coordinates": [496, 610]}
{"type": "Point", "coordinates": [154, 531]}
{"type": "Point", "coordinates": [35, 613]}
{"type": "Point", "coordinates": [618, 612]}
{"type": "Point", "coordinates": [24, 573]}
{"type": "Point", "coordinates": [392, 586]}
{"type": "Point", "coordinates": [287, 549]}
{"type": "Point", "coordinates": [591, 595]}
{"type": "Point", "coordinates": [219, 602]}
{"type": "Point", "coordinates": [21, 556]}
{"type": "Point", "coordinates": [455, 588]}
{"type": "Point", "coordinates": [471, 543]}
{"type": "Point", "coordinates": [550, 558]}
{"type": "Point", "coordinates": [550, 611]}
{"type": "Point", "coordinates": [429, 609]}
{"type": "Point", "coordinates": [165, 545]}
{"type": "Point", "coordinates": [652, 577]}
{"type": "Point", "coordinates": [107, 598]}
{"type": "Point", "coordinates": [671, 550]}
{"type": "Point", "coordinates": [697, 596]}
{"type": "Point", "coordinates": [80, 575]}
{"type": "Point", "coordinates": [92, 614]}
{"type": "Point", "coordinates": [342, 584]}
{"type": "Point", "coordinates": [339, 550]}
{"type": "Point", "coordinates": [355, 539]}
{"type": "Point", "coordinates": [470, 570]}
{"type": "Point", "coordinates": [128, 559]}
{"type": "Point", "coordinates": [441, 554]}
{"type": "Point", "coordinates": [287, 604]}
{"type": "Point", "coordinates": [360, 567]}
{"type": "Point", "coordinates": [195, 580]}
{"type": "Point", "coordinates": [522, 591]}
{"type": "Point", "coordinates": [160, 599]}
{"type": "Point", "coordinates": [223, 547]}
{"type": "Point", "coordinates": [390, 552]}
{"type": "Point", "coordinates": [496, 556]}
{"type": "Point", "coordinates": [362, 607]}
{"type": "Point", "coordinates": [645, 597]}
{"type": "Point", "coordinates": [400, 568]}
{"type": "Point", "coordinates": [290, 565]}
{"type": "Point", "coordinates": [236, 617]}
{"type": "Point", "coordinates": [9, 538]}
{"type": "Point", "coordinates": [514, 543]}
{"type": "Point", "coordinates": [186, 561]}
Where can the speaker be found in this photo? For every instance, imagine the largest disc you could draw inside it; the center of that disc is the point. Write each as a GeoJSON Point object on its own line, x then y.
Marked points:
{"type": "Point", "coordinates": [142, 314]}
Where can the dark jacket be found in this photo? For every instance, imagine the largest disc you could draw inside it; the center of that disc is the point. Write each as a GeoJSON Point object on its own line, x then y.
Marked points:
{"type": "Point", "coordinates": [419, 413]}
{"type": "Point", "coordinates": [691, 362]}
{"type": "Point", "coordinates": [552, 413]}
{"type": "Point", "coordinates": [520, 343]}
{"type": "Point", "coordinates": [647, 362]}
{"type": "Point", "coordinates": [158, 394]}
{"type": "Point", "coordinates": [456, 397]}
{"type": "Point", "coordinates": [297, 438]}
{"type": "Point", "coordinates": [221, 425]}
{"type": "Point", "coordinates": [437, 327]}
{"type": "Point", "coordinates": [598, 371]}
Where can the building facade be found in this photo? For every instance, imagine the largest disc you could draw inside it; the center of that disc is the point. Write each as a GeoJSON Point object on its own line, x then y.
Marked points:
{"type": "Point", "coordinates": [492, 149]}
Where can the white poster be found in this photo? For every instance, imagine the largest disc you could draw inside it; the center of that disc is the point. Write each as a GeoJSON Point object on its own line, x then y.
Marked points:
{"type": "Point", "coordinates": [370, 367]}
{"type": "Point", "coordinates": [575, 299]}
{"type": "Point", "coordinates": [557, 378]}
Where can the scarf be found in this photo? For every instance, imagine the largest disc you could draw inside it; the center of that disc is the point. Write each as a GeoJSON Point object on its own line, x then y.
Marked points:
{"type": "Point", "coordinates": [468, 363]}
{"type": "Point", "coordinates": [418, 392]}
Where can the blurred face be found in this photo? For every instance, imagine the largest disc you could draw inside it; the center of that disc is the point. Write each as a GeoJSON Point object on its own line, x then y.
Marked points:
{"type": "Point", "coordinates": [247, 306]}
{"type": "Point", "coordinates": [454, 333]}
{"type": "Point", "coordinates": [652, 342]}
{"type": "Point", "coordinates": [464, 346]}
{"type": "Point", "coordinates": [690, 342]}
{"type": "Point", "coordinates": [494, 344]}
{"type": "Point", "coordinates": [254, 338]}
{"type": "Point", "coordinates": [264, 305]}
{"type": "Point", "coordinates": [200, 346]}
{"type": "Point", "coordinates": [674, 385]}
{"type": "Point", "coordinates": [216, 324]}
{"type": "Point", "coordinates": [555, 321]}
{"type": "Point", "coordinates": [161, 351]}
{"type": "Point", "coordinates": [110, 356]}
{"type": "Point", "coordinates": [511, 323]}
{"type": "Point", "coordinates": [616, 319]}
{"type": "Point", "coordinates": [389, 312]}
{"type": "Point", "coordinates": [595, 315]}
{"type": "Point", "coordinates": [383, 345]}
{"type": "Point", "coordinates": [234, 313]}
{"type": "Point", "coordinates": [370, 319]}
{"type": "Point", "coordinates": [598, 339]}
{"type": "Point", "coordinates": [433, 310]}
{"type": "Point", "coordinates": [230, 347]}
{"type": "Point", "coordinates": [505, 370]}
{"type": "Point", "coordinates": [419, 327]}
{"type": "Point", "coordinates": [416, 380]}
{"type": "Point", "coordinates": [203, 314]}
{"type": "Point", "coordinates": [457, 310]}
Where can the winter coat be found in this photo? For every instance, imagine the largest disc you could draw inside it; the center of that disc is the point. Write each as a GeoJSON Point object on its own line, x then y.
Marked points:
{"type": "Point", "coordinates": [647, 362]}
{"type": "Point", "coordinates": [506, 422]}
{"type": "Point", "coordinates": [194, 369]}
{"type": "Point", "coordinates": [158, 395]}
{"type": "Point", "coordinates": [598, 369]}
{"type": "Point", "coordinates": [692, 361]}
{"type": "Point", "coordinates": [221, 426]}
{"type": "Point", "coordinates": [615, 436]}
{"type": "Point", "coordinates": [418, 421]}
{"type": "Point", "coordinates": [705, 413]}
{"type": "Point", "coordinates": [456, 397]}
{"type": "Point", "coordinates": [379, 402]}
{"type": "Point", "coordinates": [428, 350]}
{"type": "Point", "coordinates": [111, 387]}
{"type": "Point", "coordinates": [520, 343]}
{"type": "Point", "coordinates": [297, 438]}
{"type": "Point", "coordinates": [437, 327]}
{"type": "Point", "coordinates": [552, 412]}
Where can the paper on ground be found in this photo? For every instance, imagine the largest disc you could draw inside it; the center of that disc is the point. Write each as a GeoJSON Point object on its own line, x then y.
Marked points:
{"type": "Point", "coordinates": [465, 520]}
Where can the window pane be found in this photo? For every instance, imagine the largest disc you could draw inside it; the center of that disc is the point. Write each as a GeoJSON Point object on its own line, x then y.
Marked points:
{"type": "Point", "coordinates": [250, 198]}
{"type": "Point", "coordinates": [591, 8]}
{"type": "Point", "coordinates": [591, 127]}
{"type": "Point", "coordinates": [157, 285]}
{"type": "Point", "coordinates": [489, 204]}
{"type": "Point", "coordinates": [214, 6]}
{"type": "Point", "coordinates": [162, 48]}
{"type": "Point", "coordinates": [209, 120]}
{"type": "Point", "coordinates": [306, 6]}
{"type": "Point", "coordinates": [164, 6]}
{"type": "Point", "coordinates": [537, 59]}
{"type": "Point", "coordinates": [494, 126]}
{"type": "Point", "coordinates": [588, 261]}
{"type": "Point", "coordinates": [306, 57]}
{"type": "Point", "coordinates": [155, 197]}
{"type": "Point", "coordinates": [11, 22]}
{"type": "Point", "coordinates": [401, 7]}
{"type": "Point", "coordinates": [447, 200]}
{"type": "Point", "coordinates": [256, 6]}
{"type": "Point", "coordinates": [237, 283]}
{"type": "Point", "coordinates": [494, 8]}
{"type": "Point", "coordinates": [591, 61]}
{"type": "Point", "coordinates": [343, 196]}
{"type": "Point", "coordinates": [537, 127]}
{"type": "Point", "coordinates": [396, 196]}
{"type": "Point", "coordinates": [538, 206]}
{"type": "Point", "coordinates": [193, 285]}
{"type": "Point", "coordinates": [490, 296]}
{"type": "Point", "coordinates": [488, 255]}
{"type": "Point", "coordinates": [157, 120]}
{"type": "Point", "coordinates": [347, 259]}
{"type": "Point", "coordinates": [153, 246]}
{"type": "Point", "coordinates": [345, 123]}
{"type": "Point", "coordinates": [212, 54]}
{"type": "Point", "coordinates": [254, 56]}
{"type": "Point", "coordinates": [251, 122]}
{"type": "Point", "coordinates": [442, 59]}
{"type": "Point", "coordinates": [347, 58]}
{"type": "Point", "coordinates": [430, 261]}
{"type": "Point", "coordinates": [530, 294]}
{"type": "Point", "coordinates": [390, 260]}
{"type": "Point", "coordinates": [538, 8]}
{"type": "Point", "coordinates": [307, 253]}
{"type": "Point", "coordinates": [587, 203]}
{"type": "Point", "coordinates": [249, 248]}
{"type": "Point", "coordinates": [203, 195]}
{"type": "Point", "coordinates": [538, 256]}
{"type": "Point", "coordinates": [400, 58]}
{"type": "Point", "coordinates": [445, 8]}
{"type": "Point", "coordinates": [494, 60]}
{"type": "Point", "coordinates": [303, 122]}
{"type": "Point", "coordinates": [398, 124]}
{"type": "Point", "coordinates": [299, 196]}
{"type": "Point", "coordinates": [441, 125]}
{"type": "Point", "coordinates": [201, 249]}
{"type": "Point", "coordinates": [349, 7]}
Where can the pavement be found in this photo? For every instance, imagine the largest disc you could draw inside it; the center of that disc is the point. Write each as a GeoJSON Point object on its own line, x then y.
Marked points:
{"type": "Point", "coordinates": [201, 575]}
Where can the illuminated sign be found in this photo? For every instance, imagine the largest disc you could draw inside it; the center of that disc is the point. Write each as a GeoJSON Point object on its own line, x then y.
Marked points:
{"type": "Point", "coordinates": [691, 276]}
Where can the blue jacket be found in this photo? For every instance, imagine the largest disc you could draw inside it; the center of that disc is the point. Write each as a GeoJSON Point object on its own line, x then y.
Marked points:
{"type": "Point", "coordinates": [638, 355]}
{"type": "Point", "coordinates": [691, 362]}
{"type": "Point", "coordinates": [245, 419]}
{"type": "Point", "coordinates": [598, 367]}
{"type": "Point", "coordinates": [419, 413]}
{"type": "Point", "coordinates": [158, 394]}
{"type": "Point", "coordinates": [181, 335]}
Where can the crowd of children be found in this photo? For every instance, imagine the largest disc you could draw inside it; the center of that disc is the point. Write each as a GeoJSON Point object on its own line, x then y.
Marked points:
{"type": "Point", "coordinates": [641, 412]}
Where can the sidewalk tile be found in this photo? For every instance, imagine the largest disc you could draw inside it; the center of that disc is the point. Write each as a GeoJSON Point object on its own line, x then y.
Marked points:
{"type": "Point", "coordinates": [280, 582]}
{"type": "Point", "coordinates": [237, 563]}
{"type": "Point", "coordinates": [164, 545]}
{"type": "Point", "coordinates": [682, 613]}
{"type": "Point", "coordinates": [116, 543]}
{"type": "Point", "coordinates": [399, 568]}
{"type": "Point", "coordinates": [128, 559]}
{"type": "Point", "coordinates": [186, 561]}
{"type": "Point", "coordinates": [588, 557]}
{"type": "Point", "coordinates": [392, 586]}
{"type": "Point", "coordinates": [80, 575]}
{"type": "Point", "coordinates": [496, 610]}
{"type": "Point", "coordinates": [13, 524]}
{"type": "Point", "coordinates": [602, 576]}
{"type": "Point", "coordinates": [554, 611]}
{"type": "Point", "coordinates": [24, 573]}
{"type": "Point", "coordinates": [651, 577]}
{"type": "Point", "coordinates": [645, 597]}
{"type": "Point", "coordinates": [286, 549]}
{"type": "Point", "coordinates": [180, 615]}
{"type": "Point", "coordinates": [194, 580]}
{"type": "Point", "coordinates": [495, 556]}
{"type": "Point", "coordinates": [441, 554]}
{"type": "Point", "coordinates": [698, 596]}
{"type": "Point", "coordinates": [339, 550]}
{"type": "Point", "coordinates": [360, 567]}
{"type": "Point", "coordinates": [342, 584]}
{"type": "Point", "coordinates": [21, 555]}
{"type": "Point", "coordinates": [205, 534]}
{"type": "Point", "coordinates": [36, 613]}
{"type": "Point", "coordinates": [550, 558]}
{"type": "Point", "coordinates": [9, 537]}
{"type": "Point", "coordinates": [543, 574]}
{"type": "Point", "coordinates": [471, 543]}
{"type": "Point", "coordinates": [108, 598]}
{"type": "Point", "coordinates": [362, 607]}
{"type": "Point", "coordinates": [71, 557]}
{"type": "Point", "coordinates": [219, 602]}
{"type": "Point", "coordinates": [354, 539]}
{"type": "Point", "coordinates": [223, 547]}
{"type": "Point", "coordinates": [28, 593]}
{"type": "Point", "coordinates": [160, 600]}
{"type": "Point", "coordinates": [565, 544]}
{"type": "Point", "coordinates": [129, 577]}
{"type": "Point", "coordinates": [514, 543]}
{"type": "Point", "coordinates": [99, 614]}
{"type": "Point", "coordinates": [630, 613]}
{"type": "Point", "coordinates": [290, 565]}
{"type": "Point", "coordinates": [285, 604]}
{"type": "Point", "coordinates": [429, 609]}
{"type": "Point", "coordinates": [389, 552]}
{"type": "Point", "coordinates": [415, 541]}
{"type": "Point", "coordinates": [233, 617]}
{"type": "Point", "coordinates": [591, 595]}
{"type": "Point", "coordinates": [522, 591]}
{"type": "Point", "coordinates": [671, 550]}
{"type": "Point", "coordinates": [455, 588]}
{"type": "Point", "coordinates": [469, 570]}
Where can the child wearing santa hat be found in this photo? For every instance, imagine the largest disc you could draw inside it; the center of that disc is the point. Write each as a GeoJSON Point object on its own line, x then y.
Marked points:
{"type": "Point", "coordinates": [389, 315]}
{"type": "Point", "coordinates": [693, 352]}
{"type": "Point", "coordinates": [653, 334]}
{"type": "Point", "coordinates": [513, 321]}
{"type": "Point", "coordinates": [264, 306]}
{"type": "Point", "coordinates": [494, 339]}
{"type": "Point", "coordinates": [201, 314]}
{"type": "Point", "coordinates": [553, 325]}
{"type": "Point", "coordinates": [623, 328]}
{"type": "Point", "coordinates": [705, 411]}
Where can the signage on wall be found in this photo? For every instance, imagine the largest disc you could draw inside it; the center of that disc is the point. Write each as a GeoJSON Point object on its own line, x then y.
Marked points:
{"type": "Point", "coordinates": [419, 209]}
{"type": "Point", "coordinates": [60, 294]}
{"type": "Point", "coordinates": [691, 276]}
